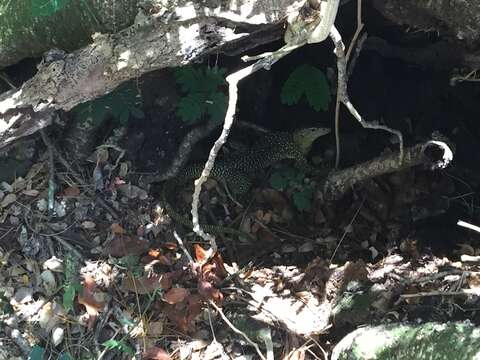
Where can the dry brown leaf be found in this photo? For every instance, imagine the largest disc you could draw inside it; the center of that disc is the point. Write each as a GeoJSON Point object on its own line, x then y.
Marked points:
{"type": "Point", "coordinates": [71, 191]}
{"type": "Point", "coordinates": [155, 256]}
{"type": "Point", "coordinates": [155, 353]}
{"type": "Point", "coordinates": [145, 285]}
{"type": "Point", "coordinates": [87, 299]}
{"type": "Point", "coordinates": [219, 266]}
{"type": "Point", "coordinates": [179, 317]}
{"type": "Point", "coordinates": [208, 291]}
{"type": "Point", "coordinates": [175, 295]}
{"type": "Point", "coordinates": [123, 245]}
{"type": "Point", "coordinates": [117, 229]}
{"type": "Point", "coordinates": [200, 253]}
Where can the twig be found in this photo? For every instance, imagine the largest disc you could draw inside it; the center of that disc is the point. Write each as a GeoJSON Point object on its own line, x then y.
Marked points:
{"type": "Point", "coordinates": [342, 93]}
{"type": "Point", "coordinates": [211, 324]}
{"type": "Point", "coordinates": [7, 80]}
{"type": "Point", "coordinates": [79, 179]}
{"type": "Point", "coordinates": [67, 245]}
{"type": "Point", "coordinates": [51, 173]}
{"type": "Point", "coordinates": [468, 225]}
{"type": "Point", "coordinates": [251, 342]}
{"type": "Point", "coordinates": [182, 246]}
{"type": "Point", "coordinates": [463, 292]}
{"type": "Point", "coordinates": [346, 229]}
{"type": "Point", "coordinates": [339, 94]}
{"type": "Point", "coordinates": [300, 31]}
{"type": "Point", "coordinates": [356, 54]}
{"type": "Point", "coordinates": [232, 80]}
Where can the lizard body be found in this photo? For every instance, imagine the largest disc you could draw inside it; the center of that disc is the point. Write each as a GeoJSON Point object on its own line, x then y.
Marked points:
{"type": "Point", "coordinates": [238, 171]}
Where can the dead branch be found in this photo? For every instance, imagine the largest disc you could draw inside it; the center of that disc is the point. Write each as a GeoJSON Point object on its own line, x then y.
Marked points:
{"type": "Point", "coordinates": [173, 39]}
{"type": "Point", "coordinates": [432, 154]}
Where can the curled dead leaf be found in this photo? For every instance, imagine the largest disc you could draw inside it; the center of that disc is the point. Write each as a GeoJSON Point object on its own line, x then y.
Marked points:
{"type": "Point", "coordinates": [87, 299]}
{"type": "Point", "coordinates": [175, 295]}
{"type": "Point", "coordinates": [123, 245]}
{"type": "Point", "coordinates": [208, 291]}
{"type": "Point", "coordinates": [145, 285]}
{"type": "Point", "coordinates": [117, 229]}
{"type": "Point", "coordinates": [155, 353]}
{"type": "Point", "coordinates": [71, 191]}
{"type": "Point", "coordinates": [200, 253]}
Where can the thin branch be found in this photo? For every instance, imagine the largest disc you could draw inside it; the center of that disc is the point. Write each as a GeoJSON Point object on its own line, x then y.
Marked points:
{"type": "Point", "coordinates": [51, 173]}
{"type": "Point", "coordinates": [339, 94]}
{"type": "Point", "coordinates": [182, 246]}
{"type": "Point", "coordinates": [342, 93]}
{"type": "Point", "coordinates": [251, 342]}
{"type": "Point", "coordinates": [468, 225]}
{"type": "Point", "coordinates": [232, 80]}
{"type": "Point", "coordinates": [347, 229]}
{"type": "Point", "coordinates": [295, 37]}
{"type": "Point", "coordinates": [462, 292]}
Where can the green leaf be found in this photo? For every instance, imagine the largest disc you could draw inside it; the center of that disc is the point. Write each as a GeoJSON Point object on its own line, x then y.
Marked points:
{"type": "Point", "coordinates": [47, 7]}
{"type": "Point", "coordinates": [36, 353]}
{"type": "Point", "coordinates": [303, 199]}
{"type": "Point", "coordinates": [69, 292]}
{"type": "Point", "coordinates": [119, 345]}
{"type": "Point", "coordinates": [119, 104]}
{"type": "Point", "coordinates": [213, 78]}
{"type": "Point", "coordinates": [278, 181]}
{"type": "Point", "coordinates": [203, 96]}
{"type": "Point", "coordinates": [188, 78]}
{"type": "Point", "coordinates": [216, 107]}
{"type": "Point", "coordinates": [309, 81]}
{"type": "Point", "coordinates": [190, 108]}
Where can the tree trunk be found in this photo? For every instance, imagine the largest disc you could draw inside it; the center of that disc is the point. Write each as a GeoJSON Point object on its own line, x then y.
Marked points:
{"type": "Point", "coordinates": [29, 28]}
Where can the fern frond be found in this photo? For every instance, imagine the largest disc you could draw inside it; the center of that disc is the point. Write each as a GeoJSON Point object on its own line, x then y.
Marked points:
{"type": "Point", "coordinates": [203, 95]}
{"type": "Point", "coordinates": [188, 78]}
{"type": "Point", "coordinates": [216, 107]}
{"type": "Point", "coordinates": [120, 104]}
{"type": "Point", "coordinates": [213, 78]}
{"type": "Point", "coordinates": [190, 108]}
{"type": "Point", "coordinates": [309, 81]}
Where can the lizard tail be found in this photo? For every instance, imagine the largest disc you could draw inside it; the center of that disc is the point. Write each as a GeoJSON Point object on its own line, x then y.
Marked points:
{"type": "Point", "coordinates": [168, 188]}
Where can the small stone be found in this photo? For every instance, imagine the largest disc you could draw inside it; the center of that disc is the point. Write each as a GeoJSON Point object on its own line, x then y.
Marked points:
{"type": "Point", "coordinates": [57, 335]}
{"type": "Point", "coordinates": [88, 225]}
{"type": "Point", "coordinates": [7, 200]}
{"type": "Point", "coordinates": [53, 264]}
